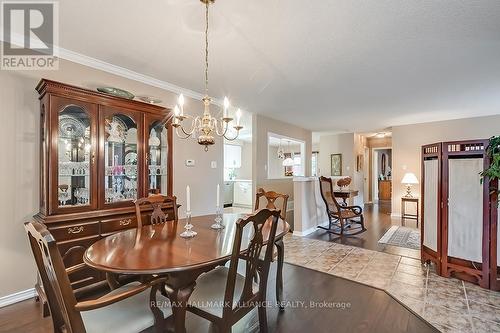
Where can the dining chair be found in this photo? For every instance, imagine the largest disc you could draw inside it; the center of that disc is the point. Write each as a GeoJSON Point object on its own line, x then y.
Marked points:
{"type": "Point", "coordinates": [271, 198]}
{"type": "Point", "coordinates": [348, 220]}
{"type": "Point", "coordinates": [126, 309]}
{"type": "Point", "coordinates": [156, 203]}
{"type": "Point", "coordinates": [231, 295]}
{"type": "Point", "coordinates": [271, 201]}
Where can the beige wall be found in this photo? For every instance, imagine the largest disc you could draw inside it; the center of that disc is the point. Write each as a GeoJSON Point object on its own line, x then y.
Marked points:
{"type": "Point", "coordinates": [19, 172]}
{"type": "Point", "coordinates": [336, 144]}
{"type": "Point", "coordinates": [263, 126]}
{"type": "Point", "coordinates": [349, 145]}
{"type": "Point", "coordinates": [407, 141]}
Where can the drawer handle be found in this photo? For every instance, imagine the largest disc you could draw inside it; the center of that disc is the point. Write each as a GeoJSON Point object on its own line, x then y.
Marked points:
{"type": "Point", "coordinates": [125, 222]}
{"type": "Point", "coordinates": [75, 230]}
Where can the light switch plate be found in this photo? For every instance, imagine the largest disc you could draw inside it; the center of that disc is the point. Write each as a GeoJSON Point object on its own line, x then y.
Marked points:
{"type": "Point", "coordinates": [213, 164]}
{"type": "Point", "coordinates": [190, 163]}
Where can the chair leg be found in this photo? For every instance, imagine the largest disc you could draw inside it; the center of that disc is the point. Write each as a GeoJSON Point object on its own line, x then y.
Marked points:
{"type": "Point", "coordinates": [362, 219]}
{"type": "Point", "coordinates": [279, 274]}
{"type": "Point", "coordinates": [262, 319]}
{"type": "Point", "coordinates": [341, 227]}
{"type": "Point", "coordinates": [329, 222]}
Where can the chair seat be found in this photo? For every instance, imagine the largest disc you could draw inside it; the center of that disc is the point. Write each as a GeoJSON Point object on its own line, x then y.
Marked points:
{"type": "Point", "coordinates": [345, 214]}
{"type": "Point", "coordinates": [208, 295]}
{"type": "Point", "coordinates": [130, 315]}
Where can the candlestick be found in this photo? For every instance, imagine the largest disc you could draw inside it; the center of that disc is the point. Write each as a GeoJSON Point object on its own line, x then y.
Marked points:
{"type": "Point", "coordinates": [188, 199]}
{"type": "Point", "coordinates": [188, 232]}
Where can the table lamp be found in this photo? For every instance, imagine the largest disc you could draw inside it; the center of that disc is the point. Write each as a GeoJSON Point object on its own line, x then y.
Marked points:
{"type": "Point", "coordinates": [409, 179]}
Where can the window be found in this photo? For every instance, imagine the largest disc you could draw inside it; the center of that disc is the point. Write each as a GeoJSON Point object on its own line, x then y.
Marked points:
{"type": "Point", "coordinates": [314, 163]}
{"type": "Point", "coordinates": [280, 150]}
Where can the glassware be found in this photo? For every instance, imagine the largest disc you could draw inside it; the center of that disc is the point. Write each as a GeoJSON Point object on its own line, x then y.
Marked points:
{"type": "Point", "coordinates": [120, 158]}
{"type": "Point", "coordinates": [188, 232]}
{"type": "Point", "coordinates": [158, 156]}
{"type": "Point", "coordinates": [74, 144]}
{"type": "Point", "coordinates": [218, 219]}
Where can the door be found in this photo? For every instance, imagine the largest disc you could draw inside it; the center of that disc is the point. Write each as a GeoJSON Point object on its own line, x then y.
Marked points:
{"type": "Point", "coordinates": [158, 145]}
{"type": "Point", "coordinates": [72, 158]}
{"type": "Point", "coordinates": [121, 149]}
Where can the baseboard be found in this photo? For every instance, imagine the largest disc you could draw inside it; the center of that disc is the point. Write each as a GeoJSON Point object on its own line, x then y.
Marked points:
{"type": "Point", "coordinates": [17, 297]}
{"type": "Point", "coordinates": [308, 231]}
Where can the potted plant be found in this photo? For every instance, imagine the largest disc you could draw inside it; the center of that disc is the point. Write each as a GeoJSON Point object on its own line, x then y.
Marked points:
{"type": "Point", "coordinates": [493, 171]}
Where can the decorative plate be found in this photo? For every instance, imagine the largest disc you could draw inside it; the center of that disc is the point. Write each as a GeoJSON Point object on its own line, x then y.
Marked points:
{"type": "Point", "coordinates": [116, 92]}
{"type": "Point", "coordinates": [150, 99]}
{"type": "Point", "coordinates": [70, 127]}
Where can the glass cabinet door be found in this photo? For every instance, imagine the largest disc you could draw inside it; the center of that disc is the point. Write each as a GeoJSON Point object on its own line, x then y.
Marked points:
{"type": "Point", "coordinates": [120, 157]}
{"type": "Point", "coordinates": [157, 157]}
{"type": "Point", "coordinates": [75, 155]}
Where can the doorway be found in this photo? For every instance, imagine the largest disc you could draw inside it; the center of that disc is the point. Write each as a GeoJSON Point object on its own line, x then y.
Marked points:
{"type": "Point", "coordinates": [382, 177]}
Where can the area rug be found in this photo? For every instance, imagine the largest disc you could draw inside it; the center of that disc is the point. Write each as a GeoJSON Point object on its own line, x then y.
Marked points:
{"type": "Point", "coordinates": [402, 237]}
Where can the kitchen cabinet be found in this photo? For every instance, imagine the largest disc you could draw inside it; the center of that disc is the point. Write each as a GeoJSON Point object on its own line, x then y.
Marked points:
{"type": "Point", "coordinates": [242, 193]}
{"type": "Point", "coordinates": [232, 156]}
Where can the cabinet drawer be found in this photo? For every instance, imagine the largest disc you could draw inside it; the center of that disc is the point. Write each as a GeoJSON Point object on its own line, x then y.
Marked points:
{"type": "Point", "coordinates": [75, 230]}
{"type": "Point", "coordinates": [118, 223]}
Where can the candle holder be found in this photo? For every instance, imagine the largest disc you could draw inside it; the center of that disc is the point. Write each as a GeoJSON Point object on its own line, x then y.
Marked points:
{"type": "Point", "coordinates": [218, 220]}
{"type": "Point", "coordinates": [188, 232]}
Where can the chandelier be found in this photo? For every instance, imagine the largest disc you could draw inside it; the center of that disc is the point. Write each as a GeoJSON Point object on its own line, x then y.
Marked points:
{"type": "Point", "coordinates": [205, 127]}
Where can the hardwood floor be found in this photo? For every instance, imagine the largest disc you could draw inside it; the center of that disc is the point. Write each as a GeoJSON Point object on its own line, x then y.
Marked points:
{"type": "Point", "coordinates": [337, 305]}
{"type": "Point", "coordinates": [377, 220]}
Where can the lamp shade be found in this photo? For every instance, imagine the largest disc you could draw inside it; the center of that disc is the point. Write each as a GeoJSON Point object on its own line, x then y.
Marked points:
{"type": "Point", "coordinates": [288, 162]}
{"type": "Point", "coordinates": [409, 178]}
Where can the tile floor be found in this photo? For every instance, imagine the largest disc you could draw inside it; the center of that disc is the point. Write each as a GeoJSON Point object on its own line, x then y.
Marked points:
{"type": "Point", "coordinates": [450, 305]}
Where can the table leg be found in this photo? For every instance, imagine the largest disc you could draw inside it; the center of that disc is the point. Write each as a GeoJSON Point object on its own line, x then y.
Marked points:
{"type": "Point", "coordinates": [280, 246]}
{"type": "Point", "coordinates": [178, 298]}
{"type": "Point", "coordinates": [153, 305]}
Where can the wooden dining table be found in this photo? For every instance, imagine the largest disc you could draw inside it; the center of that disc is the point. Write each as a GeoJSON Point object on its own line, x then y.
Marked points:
{"type": "Point", "coordinates": [158, 249]}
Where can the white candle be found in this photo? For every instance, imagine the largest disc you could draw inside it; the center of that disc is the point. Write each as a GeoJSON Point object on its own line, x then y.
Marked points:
{"type": "Point", "coordinates": [218, 195]}
{"type": "Point", "coordinates": [238, 117]}
{"type": "Point", "coordinates": [188, 199]}
{"type": "Point", "coordinates": [226, 106]}
{"type": "Point", "coordinates": [181, 103]}
{"type": "Point", "coordinates": [176, 114]}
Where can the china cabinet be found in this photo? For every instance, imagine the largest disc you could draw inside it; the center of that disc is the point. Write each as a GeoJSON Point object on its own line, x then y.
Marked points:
{"type": "Point", "coordinates": [459, 221]}
{"type": "Point", "coordinates": [98, 153]}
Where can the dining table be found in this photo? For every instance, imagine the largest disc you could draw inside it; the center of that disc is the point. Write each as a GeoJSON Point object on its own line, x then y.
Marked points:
{"type": "Point", "coordinates": [159, 250]}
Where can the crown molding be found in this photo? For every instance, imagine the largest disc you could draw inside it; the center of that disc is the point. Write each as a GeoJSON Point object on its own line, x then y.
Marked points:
{"type": "Point", "coordinates": [127, 73]}
{"type": "Point", "coordinates": [107, 67]}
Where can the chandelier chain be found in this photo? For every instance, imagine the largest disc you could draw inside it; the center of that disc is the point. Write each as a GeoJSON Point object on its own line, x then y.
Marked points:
{"type": "Point", "coordinates": [206, 48]}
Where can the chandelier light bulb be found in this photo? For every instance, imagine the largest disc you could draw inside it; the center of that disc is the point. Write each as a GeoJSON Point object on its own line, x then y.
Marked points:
{"type": "Point", "coordinates": [181, 100]}
{"type": "Point", "coordinates": [238, 117]}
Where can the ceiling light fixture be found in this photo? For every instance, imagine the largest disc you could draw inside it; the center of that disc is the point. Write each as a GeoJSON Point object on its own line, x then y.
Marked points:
{"type": "Point", "coordinates": [206, 126]}
{"type": "Point", "coordinates": [287, 162]}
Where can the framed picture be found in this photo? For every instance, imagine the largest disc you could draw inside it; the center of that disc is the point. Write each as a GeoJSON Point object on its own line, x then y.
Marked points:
{"type": "Point", "coordinates": [336, 160]}
{"type": "Point", "coordinates": [359, 163]}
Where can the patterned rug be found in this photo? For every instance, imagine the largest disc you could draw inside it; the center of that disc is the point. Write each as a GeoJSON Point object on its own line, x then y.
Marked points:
{"type": "Point", "coordinates": [402, 237]}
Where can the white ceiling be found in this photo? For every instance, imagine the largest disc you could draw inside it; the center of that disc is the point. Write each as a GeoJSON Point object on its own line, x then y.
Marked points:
{"type": "Point", "coordinates": [332, 65]}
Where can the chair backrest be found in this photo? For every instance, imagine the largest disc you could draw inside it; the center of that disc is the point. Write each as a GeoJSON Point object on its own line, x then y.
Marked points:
{"type": "Point", "coordinates": [55, 280]}
{"type": "Point", "coordinates": [264, 223]}
{"type": "Point", "coordinates": [157, 203]}
{"type": "Point", "coordinates": [326, 190]}
{"type": "Point", "coordinates": [271, 198]}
